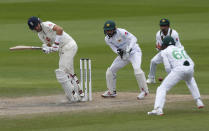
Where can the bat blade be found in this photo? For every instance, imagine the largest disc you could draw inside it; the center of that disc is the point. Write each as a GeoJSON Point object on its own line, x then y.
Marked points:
{"type": "Point", "coordinates": [20, 47]}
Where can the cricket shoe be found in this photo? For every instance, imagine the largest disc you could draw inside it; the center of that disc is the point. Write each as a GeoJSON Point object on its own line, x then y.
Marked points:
{"type": "Point", "coordinates": [199, 103]}
{"type": "Point", "coordinates": [151, 81]}
{"type": "Point", "coordinates": [157, 112]}
{"type": "Point", "coordinates": [109, 94]}
{"type": "Point", "coordinates": [142, 95]}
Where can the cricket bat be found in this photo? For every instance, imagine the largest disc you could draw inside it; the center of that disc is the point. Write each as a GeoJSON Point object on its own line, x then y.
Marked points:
{"type": "Point", "coordinates": [20, 47]}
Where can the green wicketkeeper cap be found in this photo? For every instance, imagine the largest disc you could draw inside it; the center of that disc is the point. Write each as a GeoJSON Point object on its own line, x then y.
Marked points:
{"type": "Point", "coordinates": [164, 22]}
{"type": "Point", "coordinates": [109, 25]}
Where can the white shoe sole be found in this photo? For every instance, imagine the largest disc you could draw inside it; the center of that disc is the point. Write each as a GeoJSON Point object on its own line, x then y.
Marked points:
{"type": "Point", "coordinates": [150, 82]}
{"type": "Point", "coordinates": [154, 114]}
{"type": "Point", "coordinates": [108, 96]}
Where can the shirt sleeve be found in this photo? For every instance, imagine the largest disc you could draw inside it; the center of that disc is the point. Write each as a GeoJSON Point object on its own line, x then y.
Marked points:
{"type": "Point", "coordinates": [158, 41]}
{"type": "Point", "coordinates": [130, 39]}
{"type": "Point", "coordinates": [42, 39]}
{"type": "Point", "coordinates": [166, 62]}
{"type": "Point", "coordinates": [49, 25]}
{"type": "Point", "coordinates": [175, 36]}
{"type": "Point", "coordinates": [114, 49]}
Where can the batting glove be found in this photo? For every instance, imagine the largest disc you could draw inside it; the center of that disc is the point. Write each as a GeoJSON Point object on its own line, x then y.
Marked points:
{"type": "Point", "coordinates": [55, 48]}
{"type": "Point", "coordinates": [47, 50]}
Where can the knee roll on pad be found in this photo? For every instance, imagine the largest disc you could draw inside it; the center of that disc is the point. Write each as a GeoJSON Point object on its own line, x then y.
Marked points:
{"type": "Point", "coordinates": [138, 71]}
{"type": "Point", "coordinates": [61, 76]}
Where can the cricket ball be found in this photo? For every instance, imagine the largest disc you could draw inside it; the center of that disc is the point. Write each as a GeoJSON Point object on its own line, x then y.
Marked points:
{"type": "Point", "coordinates": [160, 79]}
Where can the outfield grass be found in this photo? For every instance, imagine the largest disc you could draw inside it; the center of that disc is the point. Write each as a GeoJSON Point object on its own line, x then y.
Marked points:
{"type": "Point", "coordinates": [29, 73]}
{"type": "Point", "coordinates": [182, 116]}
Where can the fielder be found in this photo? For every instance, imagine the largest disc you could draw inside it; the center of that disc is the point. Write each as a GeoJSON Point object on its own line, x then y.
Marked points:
{"type": "Point", "coordinates": [179, 66]}
{"type": "Point", "coordinates": [125, 45]}
{"type": "Point", "coordinates": [56, 40]}
{"type": "Point", "coordinates": [164, 31]}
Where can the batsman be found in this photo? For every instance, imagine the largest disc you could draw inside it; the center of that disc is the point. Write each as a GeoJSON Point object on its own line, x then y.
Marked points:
{"type": "Point", "coordinates": [125, 45]}
{"type": "Point", "coordinates": [56, 40]}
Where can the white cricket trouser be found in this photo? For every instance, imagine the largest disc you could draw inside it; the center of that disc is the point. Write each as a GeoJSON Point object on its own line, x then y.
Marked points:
{"type": "Point", "coordinates": [157, 59]}
{"type": "Point", "coordinates": [119, 63]}
{"type": "Point", "coordinates": [179, 73]}
{"type": "Point", "coordinates": [67, 53]}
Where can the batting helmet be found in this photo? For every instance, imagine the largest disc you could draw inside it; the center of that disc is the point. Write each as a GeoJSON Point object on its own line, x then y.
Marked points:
{"type": "Point", "coordinates": [33, 22]}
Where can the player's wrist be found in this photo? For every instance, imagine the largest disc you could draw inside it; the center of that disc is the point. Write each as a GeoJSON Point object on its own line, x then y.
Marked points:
{"type": "Point", "coordinates": [55, 47]}
{"type": "Point", "coordinates": [57, 39]}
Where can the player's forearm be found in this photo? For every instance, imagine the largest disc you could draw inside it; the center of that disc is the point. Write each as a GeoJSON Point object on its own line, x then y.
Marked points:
{"type": "Point", "coordinates": [167, 67]}
{"type": "Point", "coordinates": [58, 30]}
{"type": "Point", "coordinates": [114, 49]}
{"type": "Point", "coordinates": [168, 70]}
{"type": "Point", "coordinates": [166, 63]}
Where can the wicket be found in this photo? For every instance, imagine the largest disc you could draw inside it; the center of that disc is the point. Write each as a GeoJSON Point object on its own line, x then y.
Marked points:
{"type": "Point", "coordinates": [84, 78]}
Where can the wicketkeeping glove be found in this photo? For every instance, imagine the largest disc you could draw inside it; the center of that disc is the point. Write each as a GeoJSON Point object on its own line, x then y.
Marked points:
{"type": "Point", "coordinates": [120, 52]}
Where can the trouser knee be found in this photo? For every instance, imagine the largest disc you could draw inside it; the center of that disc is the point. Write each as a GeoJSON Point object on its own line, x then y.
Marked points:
{"type": "Point", "coordinates": [110, 73]}
{"type": "Point", "coordinates": [153, 61]}
{"type": "Point", "coordinates": [138, 71]}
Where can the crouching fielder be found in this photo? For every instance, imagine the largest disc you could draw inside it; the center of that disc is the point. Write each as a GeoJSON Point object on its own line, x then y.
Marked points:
{"type": "Point", "coordinates": [55, 39]}
{"type": "Point", "coordinates": [125, 45]}
{"type": "Point", "coordinates": [179, 66]}
{"type": "Point", "coordinates": [164, 31]}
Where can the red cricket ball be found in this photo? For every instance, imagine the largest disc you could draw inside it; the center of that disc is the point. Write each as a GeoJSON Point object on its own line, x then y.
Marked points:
{"type": "Point", "coordinates": [160, 79]}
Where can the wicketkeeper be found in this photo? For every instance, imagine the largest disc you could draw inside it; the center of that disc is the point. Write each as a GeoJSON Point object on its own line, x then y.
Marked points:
{"type": "Point", "coordinates": [125, 45]}
{"type": "Point", "coordinates": [56, 40]}
{"type": "Point", "coordinates": [179, 66]}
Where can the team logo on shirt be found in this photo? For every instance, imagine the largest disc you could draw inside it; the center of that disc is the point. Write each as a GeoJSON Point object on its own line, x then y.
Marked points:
{"type": "Point", "coordinates": [119, 40]}
{"type": "Point", "coordinates": [108, 25]}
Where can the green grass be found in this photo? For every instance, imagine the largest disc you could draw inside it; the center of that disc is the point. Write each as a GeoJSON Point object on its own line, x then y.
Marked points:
{"type": "Point", "coordinates": [181, 116]}
{"type": "Point", "coordinates": [30, 73]}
